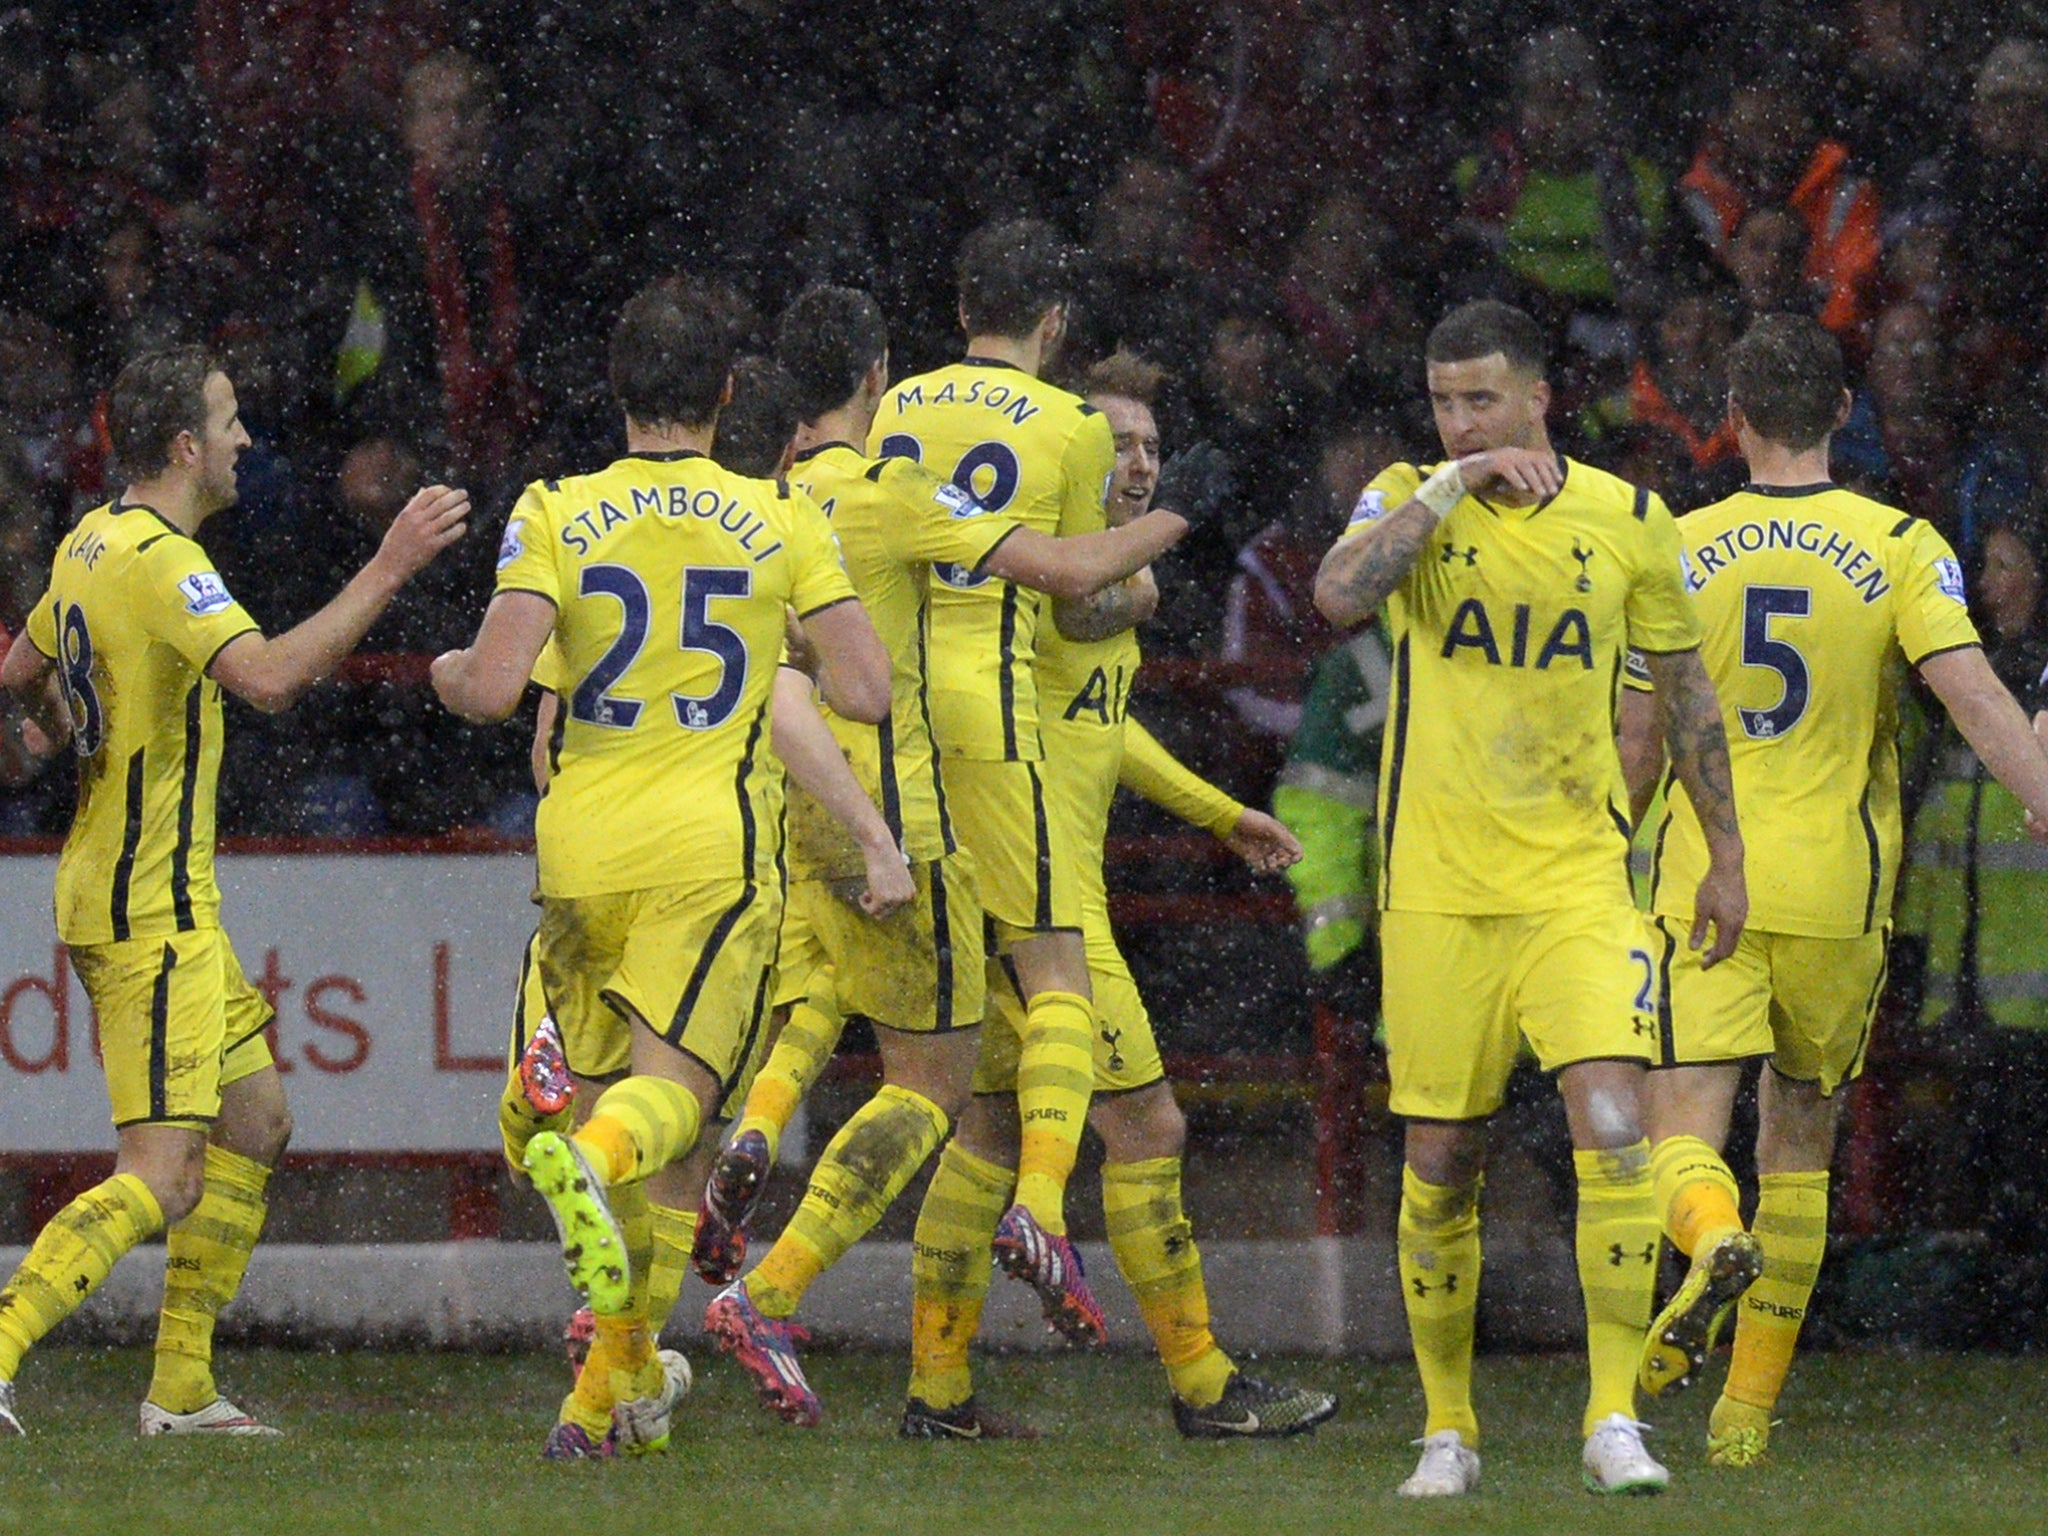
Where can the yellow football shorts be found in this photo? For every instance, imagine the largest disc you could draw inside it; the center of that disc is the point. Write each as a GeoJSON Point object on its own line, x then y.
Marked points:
{"type": "Point", "coordinates": [1026, 866]}
{"type": "Point", "coordinates": [1126, 1053]}
{"type": "Point", "coordinates": [918, 970]}
{"type": "Point", "coordinates": [1805, 1003]}
{"type": "Point", "coordinates": [800, 963]}
{"type": "Point", "coordinates": [694, 961]}
{"type": "Point", "coordinates": [1462, 993]}
{"type": "Point", "coordinates": [178, 1022]}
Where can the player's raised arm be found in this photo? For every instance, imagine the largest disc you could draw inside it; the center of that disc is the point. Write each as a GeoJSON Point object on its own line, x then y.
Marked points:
{"type": "Point", "coordinates": [1697, 740]}
{"type": "Point", "coordinates": [1087, 564]}
{"type": "Point", "coordinates": [1364, 566]}
{"type": "Point", "coordinates": [272, 672]}
{"type": "Point", "coordinates": [815, 760]}
{"type": "Point", "coordinates": [486, 681]}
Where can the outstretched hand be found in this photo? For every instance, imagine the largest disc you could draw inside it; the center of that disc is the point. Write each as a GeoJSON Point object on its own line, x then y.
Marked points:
{"type": "Point", "coordinates": [1263, 842]}
{"type": "Point", "coordinates": [435, 518]}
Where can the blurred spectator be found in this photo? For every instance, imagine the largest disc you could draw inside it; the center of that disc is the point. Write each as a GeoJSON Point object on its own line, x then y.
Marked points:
{"type": "Point", "coordinates": [1340, 301]}
{"type": "Point", "coordinates": [438, 315]}
{"type": "Point", "coordinates": [1766, 152]}
{"type": "Point", "coordinates": [1993, 185]}
{"type": "Point", "coordinates": [1561, 201]}
{"type": "Point", "coordinates": [1767, 258]}
{"type": "Point", "coordinates": [1142, 289]}
{"type": "Point", "coordinates": [1974, 926]}
{"type": "Point", "coordinates": [1680, 390]}
{"type": "Point", "coordinates": [1889, 116]}
{"type": "Point", "coordinates": [1270, 614]}
{"type": "Point", "coordinates": [44, 427]}
{"type": "Point", "coordinates": [1904, 435]}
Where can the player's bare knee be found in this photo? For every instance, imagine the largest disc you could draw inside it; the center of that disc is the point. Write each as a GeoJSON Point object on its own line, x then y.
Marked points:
{"type": "Point", "coordinates": [1450, 1156]}
{"type": "Point", "coordinates": [988, 1128]}
{"type": "Point", "coordinates": [1140, 1126]}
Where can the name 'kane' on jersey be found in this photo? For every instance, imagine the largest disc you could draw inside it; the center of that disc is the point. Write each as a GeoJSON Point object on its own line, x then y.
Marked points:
{"type": "Point", "coordinates": [134, 615]}
{"type": "Point", "coordinates": [1812, 598]}
{"type": "Point", "coordinates": [670, 578]}
{"type": "Point", "coordinates": [1019, 446]}
{"type": "Point", "coordinates": [1501, 788]}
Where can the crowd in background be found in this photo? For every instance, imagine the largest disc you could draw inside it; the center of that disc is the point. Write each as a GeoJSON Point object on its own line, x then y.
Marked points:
{"type": "Point", "coordinates": [406, 225]}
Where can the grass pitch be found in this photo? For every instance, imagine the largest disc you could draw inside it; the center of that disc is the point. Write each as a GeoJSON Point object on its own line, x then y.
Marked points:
{"type": "Point", "coordinates": [427, 1444]}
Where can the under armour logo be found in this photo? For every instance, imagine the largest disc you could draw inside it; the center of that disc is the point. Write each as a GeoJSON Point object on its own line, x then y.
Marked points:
{"type": "Point", "coordinates": [1176, 1245]}
{"type": "Point", "coordinates": [1422, 1287]}
{"type": "Point", "coordinates": [1618, 1255]}
{"type": "Point", "coordinates": [1470, 554]}
{"type": "Point", "coordinates": [1643, 1026]}
{"type": "Point", "coordinates": [82, 1284]}
{"type": "Point", "coordinates": [1585, 559]}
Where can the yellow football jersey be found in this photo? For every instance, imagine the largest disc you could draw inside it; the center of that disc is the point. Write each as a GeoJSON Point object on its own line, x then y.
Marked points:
{"type": "Point", "coordinates": [1812, 597]}
{"type": "Point", "coordinates": [1085, 693]}
{"type": "Point", "coordinates": [1019, 446]}
{"type": "Point", "coordinates": [895, 522]}
{"type": "Point", "coordinates": [134, 615]}
{"type": "Point", "coordinates": [1500, 786]}
{"type": "Point", "coordinates": [670, 578]}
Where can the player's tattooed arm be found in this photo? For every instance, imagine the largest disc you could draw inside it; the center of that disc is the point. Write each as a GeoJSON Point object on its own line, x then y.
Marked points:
{"type": "Point", "coordinates": [1109, 612]}
{"type": "Point", "coordinates": [1359, 572]}
{"type": "Point", "coordinates": [1697, 742]}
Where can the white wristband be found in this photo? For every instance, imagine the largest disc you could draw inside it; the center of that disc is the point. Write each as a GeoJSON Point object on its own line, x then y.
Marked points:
{"type": "Point", "coordinates": [1442, 490]}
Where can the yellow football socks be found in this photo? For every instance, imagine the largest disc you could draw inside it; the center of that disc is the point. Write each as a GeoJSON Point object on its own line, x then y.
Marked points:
{"type": "Point", "coordinates": [1437, 1245]}
{"type": "Point", "coordinates": [1792, 1224]}
{"type": "Point", "coordinates": [205, 1257]}
{"type": "Point", "coordinates": [862, 1170]}
{"type": "Point", "coordinates": [1618, 1233]}
{"type": "Point", "coordinates": [638, 1125]}
{"type": "Point", "coordinates": [519, 1122]}
{"type": "Point", "coordinates": [675, 1233]}
{"type": "Point", "coordinates": [1696, 1193]}
{"type": "Point", "coordinates": [804, 1045]}
{"type": "Point", "coordinates": [70, 1258]}
{"type": "Point", "coordinates": [1055, 1075]}
{"type": "Point", "coordinates": [950, 1260]}
{"type": "Point", "coordinates": [1155, 1249]}
{"type": "Point", "coordinates": [623, 1345]}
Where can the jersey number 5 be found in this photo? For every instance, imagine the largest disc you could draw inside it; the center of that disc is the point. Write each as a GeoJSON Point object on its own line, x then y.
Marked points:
{"type": "Point", "coordinates": [594, 704]}
{"type": "Point", "coordinates": [1760, 649]}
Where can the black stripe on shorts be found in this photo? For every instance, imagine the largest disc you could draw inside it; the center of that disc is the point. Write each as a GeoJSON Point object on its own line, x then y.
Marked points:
{"type": "Point", "coordinates": [719, 933]}
{"type": "Point", "coordinates": [131, 838]}
{"type": "Point", "coordinates": [160, 1036]}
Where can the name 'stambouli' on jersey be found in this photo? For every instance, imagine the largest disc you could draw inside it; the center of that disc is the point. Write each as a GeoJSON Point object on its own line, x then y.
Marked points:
{"type": "Point", "coordinates": [670, 578]}
{"type": "Point", "coordinates": [1500, 786]}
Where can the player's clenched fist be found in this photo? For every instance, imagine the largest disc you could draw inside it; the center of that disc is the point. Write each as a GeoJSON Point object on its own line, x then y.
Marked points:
{"type": "Point", "coordinates": [435, 518]}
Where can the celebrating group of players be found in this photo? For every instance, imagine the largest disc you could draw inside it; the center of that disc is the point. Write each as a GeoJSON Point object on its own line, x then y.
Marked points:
{"type": "Point", "coordinates": [916, 601]}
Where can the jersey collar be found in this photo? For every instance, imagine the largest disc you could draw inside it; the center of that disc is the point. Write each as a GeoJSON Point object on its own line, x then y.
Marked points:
{"type": "Point", "coordinates": [1564, 470]}
{"type": "Point", "coordinates": [1790, 490]}
{"type": "Point", "coordinates": [971, 361]}
{"type": "Point", "coordinates": [672, 456]}
{"type": "Point", "coordinates": [117, 506]}
{"type": "Point", "coordinates": [817, 448]}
